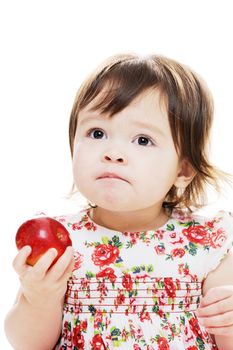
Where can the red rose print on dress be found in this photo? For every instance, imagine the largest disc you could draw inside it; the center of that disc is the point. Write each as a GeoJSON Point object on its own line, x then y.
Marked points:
{"type": "Point", "coordinates": [210, 224]}
{"type": "Point", "coordinates": [90, 226]}
{"type": "Point", "coordinates": [163, 344]}
{"type": "Point", "coordinates": [108, 273]}
{"type": "Point", "coordinates": [105, 254]}
{"type": "Point", "coordinates": [136, 347]}
{"type": "Point", "coordinates": [78, 260]}
{"type": "Point", "coordinates": [76, 226]}
{"type": "Point", "coordinates": [67, 331]}
{"type": "Point", "coordinates": [85, 222]}
{"type": "Point", "coordinates": [127, 282]}
{"type": "Point", "coordinates": [160, 249]}
{"type": "Point", "coordinates": [120, 299]}
{"type": "Point", "coordinates": [98, 319]}
{"type": "Point", "coordinates": [197, 234]}
{"type": "Point", "coordinates": [195, 327]}
{"type": "Point", "coordinates": [78, 338]}
{"type": "Point", "coordinates": [145, 316]}
{"type": "Point", "coordinates": [170, 287]}
{"type": "Point", "coordinates": [173, 235]}
{"type": "Point", "coordinates": [97, 343]}
{"type": "Point", "coordinates": [178, 252]}
{"type": "Point", "coordinates": [83, 325]}
{"type": "Point", "coordinates": [218, 238]}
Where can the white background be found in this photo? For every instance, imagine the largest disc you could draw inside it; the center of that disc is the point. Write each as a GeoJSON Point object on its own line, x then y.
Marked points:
{"type": "Point", "coordinates": [47, 48]}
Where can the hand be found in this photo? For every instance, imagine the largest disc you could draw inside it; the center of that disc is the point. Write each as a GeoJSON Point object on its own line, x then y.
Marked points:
{"type": "Point", "coordinates": [40, 285]}
{"type": "Point", "coordinates": [215, 311]}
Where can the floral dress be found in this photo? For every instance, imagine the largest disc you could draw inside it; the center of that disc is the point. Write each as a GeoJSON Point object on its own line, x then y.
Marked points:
{"type": "Point", "coordinates": [140, 290]}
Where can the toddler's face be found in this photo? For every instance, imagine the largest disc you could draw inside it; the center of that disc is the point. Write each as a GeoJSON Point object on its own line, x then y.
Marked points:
{"type": "Point", "coordinates": [128, 161]}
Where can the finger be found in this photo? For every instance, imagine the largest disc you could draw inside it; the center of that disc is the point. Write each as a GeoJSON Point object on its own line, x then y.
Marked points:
{"type": "Point", "coordinates": [68, 272]}
{"type": "Point", "coordinates": [62, 264]}
{"type": "Point", "coordinates": [43, 264]}
{"type": "Point", "coordinates": [19, 263]}
{"type": "Point", "coordinates": [223, 320]}
{"type": "Point", "coordinates": [226, 331]}
{"type": "Point", "coordinates": [215, 294]}
{"type": "Point", "coordinates": [215, 309]}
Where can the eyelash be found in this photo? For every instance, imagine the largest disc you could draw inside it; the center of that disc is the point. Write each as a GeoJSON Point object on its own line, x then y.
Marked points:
{"type": "Point", "coordinates": [89, 132]}
{"type": "Point", "coordinates": [152, 143]}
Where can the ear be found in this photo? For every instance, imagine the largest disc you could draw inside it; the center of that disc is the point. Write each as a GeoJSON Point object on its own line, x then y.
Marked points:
{"type": "Point", "coordinates": [185, 175]}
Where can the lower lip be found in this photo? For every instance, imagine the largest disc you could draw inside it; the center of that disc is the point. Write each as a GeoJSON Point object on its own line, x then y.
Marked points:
{"type": "Point", "coordinates": [111, 178]}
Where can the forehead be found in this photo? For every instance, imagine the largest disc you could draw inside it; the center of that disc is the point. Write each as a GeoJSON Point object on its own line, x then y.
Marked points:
{"type": "Point", "coordinates": [149, 108]}
{"type": "Point", "coordinates": [108, 103]}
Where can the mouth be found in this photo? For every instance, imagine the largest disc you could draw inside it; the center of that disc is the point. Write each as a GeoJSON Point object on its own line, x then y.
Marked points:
{"type": "Point", "coordinates": [110, 176]}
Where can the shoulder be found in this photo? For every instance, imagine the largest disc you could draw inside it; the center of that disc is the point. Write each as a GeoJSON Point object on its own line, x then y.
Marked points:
{"type": "Point", "coordinates": [221, 217]}
{"type": "Point", "coordinates": [211, 236]}
{"type": "Point", "coordinates": [216, 228]}
{"type": "Point", "coordinates": [73, 220]}
{"type": "Point", "coordinates": [213, 231]}
{"type": "Point", "coordinates": [79, 225]}
{"type": "Point", "coordinates": [220, 235]}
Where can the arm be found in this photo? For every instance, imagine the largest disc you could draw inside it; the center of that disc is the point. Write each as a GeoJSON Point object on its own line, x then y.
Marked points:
{"type": "Point", "coordinates": [35, 320]}
{"type": "Point", "coordinates": [25, 324]}
{"type": "Point", "coordinates": [216, 308]}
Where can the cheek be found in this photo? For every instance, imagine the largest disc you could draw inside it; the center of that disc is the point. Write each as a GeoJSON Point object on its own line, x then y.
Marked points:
{"type": "Point", "coordinates": [80, 162]}
{"type": "Point", "coordinates": [160, 171]}
{"type": "Point", "coordinates": [85, 162]}
{"type": "Point", "coordinates": [80, 176]}
{"type": "Point", "coordinates": [82, 156]}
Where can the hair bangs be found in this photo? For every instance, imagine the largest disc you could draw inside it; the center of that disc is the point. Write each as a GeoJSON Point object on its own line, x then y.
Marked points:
{"type": "Point", "coordinates": [115, 88]}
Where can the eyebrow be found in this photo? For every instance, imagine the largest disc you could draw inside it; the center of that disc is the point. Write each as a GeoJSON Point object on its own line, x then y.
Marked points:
{"type": "Point", "coordinates": [150, 127]}
{"type": "Point", "coordinates": [90, 118]}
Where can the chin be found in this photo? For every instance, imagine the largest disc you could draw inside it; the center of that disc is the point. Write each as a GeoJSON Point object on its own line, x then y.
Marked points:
{"type": "Point", "coordinates": [115, 205]}
{"type": "Point", "coordinates": [109, 199]}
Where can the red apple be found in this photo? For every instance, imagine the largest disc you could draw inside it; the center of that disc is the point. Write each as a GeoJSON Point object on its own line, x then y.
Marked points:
{"type": "Point", "coordinates": [41, 234]}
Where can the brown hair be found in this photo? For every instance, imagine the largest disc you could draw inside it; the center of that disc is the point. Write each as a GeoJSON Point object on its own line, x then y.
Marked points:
{"type": "Point", "coordinates": [189, 106]}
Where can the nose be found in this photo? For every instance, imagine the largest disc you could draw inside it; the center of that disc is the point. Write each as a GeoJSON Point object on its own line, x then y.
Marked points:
{"type": "Point", "coordinates": [114, 157]}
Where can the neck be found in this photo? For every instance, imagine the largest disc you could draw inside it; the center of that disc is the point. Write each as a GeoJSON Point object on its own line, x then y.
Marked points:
{"type": "Point", "coordinates": [138, 220]}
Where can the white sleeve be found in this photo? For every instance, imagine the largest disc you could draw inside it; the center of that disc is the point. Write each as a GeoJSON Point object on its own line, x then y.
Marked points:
{"type": "Point", "coordinates": [221, 240]}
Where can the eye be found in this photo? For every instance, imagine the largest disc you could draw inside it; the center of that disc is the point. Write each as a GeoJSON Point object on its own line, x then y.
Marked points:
{"type": "Point", "coordinates": [96, 133]}
{"type": "Point", "coordinates": [144, 141]}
